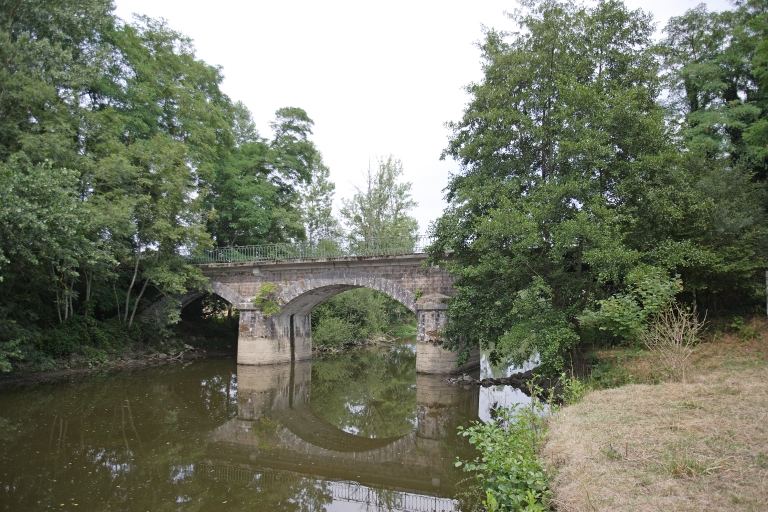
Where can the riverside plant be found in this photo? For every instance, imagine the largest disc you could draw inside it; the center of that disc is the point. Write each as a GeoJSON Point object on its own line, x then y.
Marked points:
{"type": "Point", "coordinates": [671, 338]}
{"type": "Point", "coordinates": [510, 473]}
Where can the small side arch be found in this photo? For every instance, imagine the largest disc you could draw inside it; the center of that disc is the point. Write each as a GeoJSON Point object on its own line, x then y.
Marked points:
{"type": "Point", "coordinates": [222, 290]}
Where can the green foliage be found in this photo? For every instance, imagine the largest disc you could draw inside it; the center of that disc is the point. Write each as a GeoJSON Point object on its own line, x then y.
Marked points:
{"type": "Point", "coordinates": [86, 334]}
{"type": "Point", "coordinates": [9, 350]}
{"type": "Point", "coordinates": [746, 332]}
{"type": "Point", "coordinates": [118, 153]}
{"type": "Point", "coordinates": [510, 472]}
{"type": "Point", "coordinates": [380, 209]}
{"type": "Point", "coordinates": [606, 374]}
{"type": "Point", "coordinates": [322, 227]}
{"type": "Point", "coordinates": [574, 389]}
{"type": "Point", "coordinates": [267, 299]}
{"type": "Point", "coordinates": [575, 178]}
{"type": "Point", "coordinates": [330, 331]}
{"type": "Point", "coordinates": [627, 314]}
{"type": "Point", "coordinates": [359, 314]}
{"type": "Point", "coordinates": [255, 196]}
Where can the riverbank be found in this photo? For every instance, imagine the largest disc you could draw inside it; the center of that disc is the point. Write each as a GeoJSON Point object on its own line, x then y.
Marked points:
{"type": "Point", "coordinates": [647, 446]}
{"type": "Point", "coordinates": [170, 352]}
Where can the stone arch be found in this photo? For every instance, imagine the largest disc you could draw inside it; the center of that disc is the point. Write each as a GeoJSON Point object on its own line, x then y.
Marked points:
{"type": "Point", "coordinates": [303, 296]}
{"type": "Point", "coordinates": [229, 295]}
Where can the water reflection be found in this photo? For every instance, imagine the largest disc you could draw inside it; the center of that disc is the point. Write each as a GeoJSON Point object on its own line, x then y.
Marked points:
{"type": "Point", "coordinates": [353, 431]}
{"type": "Point", "coordinates": [500, 396]}
{"type": "Point", "coordinates": [278, 428]}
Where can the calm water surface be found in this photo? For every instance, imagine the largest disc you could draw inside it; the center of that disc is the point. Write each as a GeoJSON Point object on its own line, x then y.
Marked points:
{"type": "Point", "coordinates": [343, 432]}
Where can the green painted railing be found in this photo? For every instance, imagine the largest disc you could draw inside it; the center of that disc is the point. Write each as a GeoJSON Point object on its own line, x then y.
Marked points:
{"type": "Point", "coordinates": [303, 250]}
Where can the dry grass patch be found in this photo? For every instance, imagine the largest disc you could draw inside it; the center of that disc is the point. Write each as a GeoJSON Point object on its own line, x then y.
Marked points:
{"type": "Point", "coordinates": [700, 446]}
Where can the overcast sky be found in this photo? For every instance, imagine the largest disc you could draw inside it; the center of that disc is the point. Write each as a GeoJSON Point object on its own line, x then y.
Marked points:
{"type": "Point", "coordinates": [377, 78]}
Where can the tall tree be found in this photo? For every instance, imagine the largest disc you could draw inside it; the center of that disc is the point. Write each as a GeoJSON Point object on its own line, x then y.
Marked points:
{"type": "Point", "coordinates": [560, 144]}
{"type": "Point", "coordinates": [717, 106]}
{"type": "Point", "coordinates": [711, 61]}
{"type": "Point", "coordinates": [255, 196]}
{"type": "Point", "coordinates": [110, 134]}
{"type": "Point", "coordinates": [380, 208]}
{"type": "Point", "coordinates": [317, 206]}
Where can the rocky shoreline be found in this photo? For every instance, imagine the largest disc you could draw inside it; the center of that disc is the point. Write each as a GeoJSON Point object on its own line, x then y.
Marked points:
{"type": "Point", "coordinates": [551, 389]}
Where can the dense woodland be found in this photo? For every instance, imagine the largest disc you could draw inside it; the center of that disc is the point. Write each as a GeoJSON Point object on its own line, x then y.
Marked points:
{"type": "Point", "coordinates": [603, 173]}
{"type": "Point", "coordinates": [119, 154]}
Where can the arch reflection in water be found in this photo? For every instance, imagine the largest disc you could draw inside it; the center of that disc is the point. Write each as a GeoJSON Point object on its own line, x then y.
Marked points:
{"type": "Point", "coordinates": [278, 435]}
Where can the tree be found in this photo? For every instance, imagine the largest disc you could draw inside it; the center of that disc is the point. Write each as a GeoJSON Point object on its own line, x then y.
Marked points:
{"type": "Point", "coordinates": [255, 196]}
{"type": "Point", "coordinates": [558, 148]}
{"type": "Point", "coordinates": [712, 65]}
{"type": "Point", "coordinates": [380, 209]}
{"type": "Point", "coordinates": [718, 106]}
{"type": "Point", "coordinates": [574, 192]}
{"type": "Point", "coordinates": [112, 136]}
{"type": "Point", "coordinates": [317, 206]}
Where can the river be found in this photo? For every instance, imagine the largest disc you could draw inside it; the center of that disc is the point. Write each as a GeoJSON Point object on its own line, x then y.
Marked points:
{"type": "Point", "coordinates": [353, 431]}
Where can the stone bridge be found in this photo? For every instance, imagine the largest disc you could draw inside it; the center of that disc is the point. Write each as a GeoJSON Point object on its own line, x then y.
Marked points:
{"type": "Point", "coordinates": [301, 285]}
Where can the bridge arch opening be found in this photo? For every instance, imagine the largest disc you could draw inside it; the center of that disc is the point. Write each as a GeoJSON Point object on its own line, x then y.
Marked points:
{"type": "Point", "coordinates": [341, 308]}
{"type": "Point", "coordinates": [305, 295]}
{"type": "Point", "coordinates": [207, 316]}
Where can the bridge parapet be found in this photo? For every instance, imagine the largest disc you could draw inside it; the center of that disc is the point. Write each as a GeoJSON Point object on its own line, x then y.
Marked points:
{"type": "Point", "coordinates": [325, 249]}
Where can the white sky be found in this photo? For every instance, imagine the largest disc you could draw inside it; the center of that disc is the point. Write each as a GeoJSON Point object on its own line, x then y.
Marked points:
{"type": "Point", "coordinates": [376, 77]}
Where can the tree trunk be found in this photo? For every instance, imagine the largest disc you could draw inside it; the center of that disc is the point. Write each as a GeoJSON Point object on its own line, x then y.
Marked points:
{"type": "Point", "coordinates": [117, 302]}
{"type": "Point", "coordinates": [136, 304]}
{"type": "Point", "coordinates": [128, 293]}
{"type": "Point", "coordinates": [88, 281]}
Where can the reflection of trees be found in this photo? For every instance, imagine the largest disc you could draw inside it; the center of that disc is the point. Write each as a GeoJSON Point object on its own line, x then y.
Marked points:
{"type": "Point", "coordinates": [140, 441]}
{"type": "Point", "coordinates": [369, 392]}
{"type": "Point", "coordinates": [130, 442]}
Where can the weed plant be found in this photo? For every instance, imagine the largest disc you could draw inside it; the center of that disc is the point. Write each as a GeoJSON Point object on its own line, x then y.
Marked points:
{"type": "Point", "coordinates": [510, 473]}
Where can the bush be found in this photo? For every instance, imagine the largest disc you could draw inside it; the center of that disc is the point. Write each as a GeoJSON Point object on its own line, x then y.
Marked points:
{"type": "Point", "coordinates": [77, 332]}
{"type": "Point", "coordinates": [9, 350]}
{"type": "Point", "coordinates": [671, 337]}
{"type": "Point", "coordinates": [511, 474]}
{"type": "Point", "coordinates": [333, 332]}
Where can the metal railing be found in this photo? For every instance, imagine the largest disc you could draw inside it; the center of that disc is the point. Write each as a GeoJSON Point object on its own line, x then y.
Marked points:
{"type": "Point", "coordinates": [321, 250]}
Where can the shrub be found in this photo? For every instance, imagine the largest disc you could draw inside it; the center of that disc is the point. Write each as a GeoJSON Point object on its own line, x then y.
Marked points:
{"type": "Point", "coordinates": [671, 337]}
{"type": "Point", "coordinates": [267, 300]}
{"type": "Point", "coordinates": [78, 331]}
{"type": "Point", "coordinates": [9, 350]}
{"type": "Point", "coordinates": [333, 332]}
{"type": "Point", "coordinates": [510, 472]}
{"type": "Point", "coordinates": [626, 315]}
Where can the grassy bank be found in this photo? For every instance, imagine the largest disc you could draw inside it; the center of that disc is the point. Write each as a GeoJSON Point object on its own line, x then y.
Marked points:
{"type": "Point", "coordinates": [650, 445]}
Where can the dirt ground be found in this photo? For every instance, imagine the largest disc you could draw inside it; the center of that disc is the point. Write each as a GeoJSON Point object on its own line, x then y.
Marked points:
{"type": "Point", "coordinates": [700, 446]}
